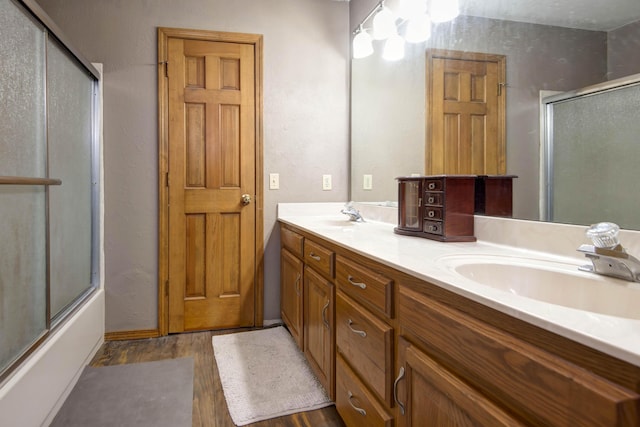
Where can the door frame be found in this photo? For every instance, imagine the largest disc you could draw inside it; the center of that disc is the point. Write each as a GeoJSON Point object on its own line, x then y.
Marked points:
{"type": "Point", "coordinates": [163, 164]}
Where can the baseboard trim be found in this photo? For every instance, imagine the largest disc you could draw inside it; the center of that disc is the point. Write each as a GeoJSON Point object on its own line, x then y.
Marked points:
{"type": "Point", "coordinates": [131, 335]}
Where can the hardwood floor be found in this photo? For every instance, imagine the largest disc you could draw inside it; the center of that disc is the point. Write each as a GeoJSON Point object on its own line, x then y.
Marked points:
{"type": "Point", "coordinates": [209, 406]}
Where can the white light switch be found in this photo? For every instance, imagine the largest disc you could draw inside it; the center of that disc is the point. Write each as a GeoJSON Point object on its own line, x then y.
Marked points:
{"type": "Point", "coordinates": [326, 182]}
{"type": "Point", "coordinates": [367, 182]}
{"type": "Point", "coordinates": [274, 181]}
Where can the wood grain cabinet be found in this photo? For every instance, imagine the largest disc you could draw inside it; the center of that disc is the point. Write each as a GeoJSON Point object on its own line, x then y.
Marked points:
{"type": "Point", "coordinates": [460, 371]}
{"type": "Point", "coordinates": [291, 283]}
{"type": "Point", "coordinates": [364, 343]}
{"type": "Point", "coordinates": [307, 301]}
{"type": "Point", "coordinates": [430, 395]}
{"type": "Point", "coordinates": [291, 295]}
{"type": "Point", "coordinates": [319, 338]}
{"type": "Point", "coordinates": [394, 350]}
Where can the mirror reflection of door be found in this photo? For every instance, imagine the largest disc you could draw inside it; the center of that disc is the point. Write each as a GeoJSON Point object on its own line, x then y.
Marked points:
{"type": "Point", "coordinates": [465, 113]}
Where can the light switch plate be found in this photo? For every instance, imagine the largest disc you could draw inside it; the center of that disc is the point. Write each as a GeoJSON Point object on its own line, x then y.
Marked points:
{"type": "Point", "coordinates": [326, 182]}
{"type": "Point", "coordinates": [367, 182]}
{"type": "Point", "coordinates": [274, 181]}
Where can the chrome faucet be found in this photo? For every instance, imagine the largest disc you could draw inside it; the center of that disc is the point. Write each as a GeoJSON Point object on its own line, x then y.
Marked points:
{"type": "Point", "coordinates": [607, 256]}
{"type": "Point", "coordinates": [353, 213]}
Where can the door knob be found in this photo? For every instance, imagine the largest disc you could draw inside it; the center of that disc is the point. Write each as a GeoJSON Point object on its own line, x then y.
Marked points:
{"type": "Point", "coordinates": [246, 199]}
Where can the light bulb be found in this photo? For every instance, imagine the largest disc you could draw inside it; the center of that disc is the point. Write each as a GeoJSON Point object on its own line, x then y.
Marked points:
{"type": "Point", "coordinates": [444, 10]}
{"type": "Point", "coordinates": [393, 48]}
{"type": "Point", "coordinates": [384, 24]}
{"type": "Point", "coordinates": [418, 29]}
{"type": "Point", "coordinates": [362, 44]}
{"type": "Point", "coordinates": [410, 8]}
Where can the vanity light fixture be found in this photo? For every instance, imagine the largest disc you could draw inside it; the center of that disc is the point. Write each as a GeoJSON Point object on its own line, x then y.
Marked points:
{"type": "Point", "coordinates": [362, 43]}
{"type": "Point", "coordinates": [418, 29]}
{"type": "Point", "coordinates": [444, 10]}
{"type": "Point", "coordinates": [415, 16]}
{"type": "Point", "coordinates": [393, 48]}
{"type": "Point", "coordinates": [384, 23]}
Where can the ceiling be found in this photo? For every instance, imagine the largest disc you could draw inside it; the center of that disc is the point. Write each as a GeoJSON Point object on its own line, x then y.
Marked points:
{"type": "Point", "coordinates": [601, 15]}
{"type": "Point", "coordinates": [596, 15]}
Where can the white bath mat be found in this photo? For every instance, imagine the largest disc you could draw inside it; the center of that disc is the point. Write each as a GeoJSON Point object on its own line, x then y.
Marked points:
{"type": "Point", "coordinates": [264, 375]}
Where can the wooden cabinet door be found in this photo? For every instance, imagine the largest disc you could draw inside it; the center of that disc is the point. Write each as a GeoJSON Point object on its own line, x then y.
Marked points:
{"type": "Point", "coordinates": [430, 396]}
{"type": "Point", "coordinates": [291, 291]}
{"type": "Point", "coordinates": [319, 339]}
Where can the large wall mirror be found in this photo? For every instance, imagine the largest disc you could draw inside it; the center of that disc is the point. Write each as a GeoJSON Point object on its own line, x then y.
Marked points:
{"type": "Point", "coordinates": [550, 47]}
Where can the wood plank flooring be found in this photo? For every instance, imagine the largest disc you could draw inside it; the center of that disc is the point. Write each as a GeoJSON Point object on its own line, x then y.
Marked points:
{"type": "Point", "coordinates": [209, 406]}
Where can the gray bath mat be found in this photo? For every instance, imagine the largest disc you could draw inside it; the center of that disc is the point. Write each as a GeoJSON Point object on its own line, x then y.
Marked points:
{"type": "Point", "coordinates": [153, 394]}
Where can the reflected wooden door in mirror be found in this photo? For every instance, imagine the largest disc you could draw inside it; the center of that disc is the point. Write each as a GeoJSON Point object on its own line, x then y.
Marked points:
{"type": "Point", "coordinates": [465, 113]}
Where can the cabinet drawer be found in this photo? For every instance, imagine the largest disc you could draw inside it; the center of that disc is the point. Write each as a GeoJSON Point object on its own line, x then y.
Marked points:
{"type": "Point", "coordinates": [320, 258]}
{"type": "Point", "coordinates": [433, 213]}
{"type": "Point", "coordinates": [371, 289]}
{"type": "Point", "coordinates": [292, 241]}
{"type": "Point", "coordinates": [434, 199]}
{"type": "Point", "coordinates": [433, 227]}
{"type": "Point", "coordinates": [367, 344]}
{"type": "Point", "coordinates": [538, 386]}
{"type": "Point", "coordinates": [434, 184]}
{"type": "Point", "coordinates": [355, 404]}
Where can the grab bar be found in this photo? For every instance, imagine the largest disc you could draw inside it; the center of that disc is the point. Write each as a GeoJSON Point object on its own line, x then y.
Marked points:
{"type": "Point", "coordinates": [19, 180]}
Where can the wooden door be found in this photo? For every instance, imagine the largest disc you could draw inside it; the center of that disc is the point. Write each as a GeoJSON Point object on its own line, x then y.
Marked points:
{"type": "Point", "coordinates": [431, 396]}
{"type": "Point", "coordinates": [291, 294]}
{"type": "Point", "coordinates": [319, 343]}
{"type": "Point", "coordinates": [465, 113]}
{"type": "Point", "coordinates": [211, 183]}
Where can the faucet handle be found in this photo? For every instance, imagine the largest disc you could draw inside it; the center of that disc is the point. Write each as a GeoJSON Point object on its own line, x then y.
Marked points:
{"type": "Point", "coordinates": [604, 235]}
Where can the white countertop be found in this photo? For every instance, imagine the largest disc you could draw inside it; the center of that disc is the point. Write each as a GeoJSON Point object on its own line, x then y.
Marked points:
{"type": "Point", "coordinates": [423, 258]}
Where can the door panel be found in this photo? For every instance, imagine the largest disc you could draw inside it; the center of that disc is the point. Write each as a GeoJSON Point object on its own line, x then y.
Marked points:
{"type": "Point", "coordinates": [466, 107]}
{"type": "Point", "coordinates": [212, 161]}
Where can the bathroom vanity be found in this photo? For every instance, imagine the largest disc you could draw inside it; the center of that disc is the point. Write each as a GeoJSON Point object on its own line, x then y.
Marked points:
{"type": "Point", "coordinates": [399, 338]}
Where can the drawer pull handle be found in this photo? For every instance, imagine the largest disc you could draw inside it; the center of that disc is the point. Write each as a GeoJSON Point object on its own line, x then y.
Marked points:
{"type": "Point", "coordinates": [298, 284]}
{"type": "Point", "coordinates": [363, 334]}
{"type": "Point", "coordinates": [314, 256]}
{"type": "Point", "coordinates": [431, 214]}
{"type": "Point", "coordinates": [358, 284]}
{"type": "Point", "coordinates": [324, 315]}
{"type": "Point", "coordinates": [358, 410]}
{"type": "Point", "coordinates": [395, 389]}
{"type": "Point", "coordinates": [431, 185]}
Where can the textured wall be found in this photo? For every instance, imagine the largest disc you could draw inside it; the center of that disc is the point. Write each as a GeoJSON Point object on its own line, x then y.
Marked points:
{"type": "Point", "coordinates": [305, 121]}
{"type": "Point", "coordinates": [624, 44]}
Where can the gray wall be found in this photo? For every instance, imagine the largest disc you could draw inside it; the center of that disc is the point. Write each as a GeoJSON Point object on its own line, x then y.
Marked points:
{"type": "Point", "coordinates": [624, 45]}
{"type": "Point", "coordinates": [306, 61]}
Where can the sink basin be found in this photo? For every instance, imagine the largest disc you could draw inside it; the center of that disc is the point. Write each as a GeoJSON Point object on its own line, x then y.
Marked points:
{"type": "Point", "coordinates": [551, 282]}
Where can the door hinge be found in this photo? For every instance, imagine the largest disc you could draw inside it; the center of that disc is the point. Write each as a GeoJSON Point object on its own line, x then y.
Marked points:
{"type": "Point", "coordinates": [166, 288]}
{"type": "Point", "coordinates": [500, 86]}
{"type": "Point", "coordinates": [167, 179]}
{"type": "Point", "coordinates": [166, 67]}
